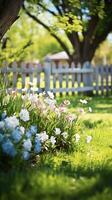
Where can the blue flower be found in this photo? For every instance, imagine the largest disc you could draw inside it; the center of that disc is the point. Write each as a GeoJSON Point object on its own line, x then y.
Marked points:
{"type": "Point", "coordinates": [26, 155]}
{"type": "Point", "coordinates": [1, 137]}
{"type": "Point", "coordinates": [27, 145]}
{"type": "Point", "coordinates": [4, 115]}
{"type": "Point", "coordinates": [28, 134]}
{"type": "Point", "coordinates": [33, 129]}
{"type": "Point", "coordinates": [8, 148]}
{"type": "Point", "coordinates": [16, 135]}
{"type": "Point", "coordinates": [37, 147]}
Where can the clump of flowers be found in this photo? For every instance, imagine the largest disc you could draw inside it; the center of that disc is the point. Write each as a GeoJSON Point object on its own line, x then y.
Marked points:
{"type": "Point", "coordinates": [36, 124]}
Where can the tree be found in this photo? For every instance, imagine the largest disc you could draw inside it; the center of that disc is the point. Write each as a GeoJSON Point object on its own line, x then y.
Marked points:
{"type": "Point", "coordinates": [8, 14]}
{"type": "Point", "coordinates": [35, 43]}
{"type": "Point", "coordinates": [85, 23]}
{"type": "Point", "coordinates": [104, 53]}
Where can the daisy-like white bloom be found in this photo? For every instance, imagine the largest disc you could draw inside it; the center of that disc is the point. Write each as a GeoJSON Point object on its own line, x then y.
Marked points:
{"type": "Point", "coordinates": [24, 115]}
{"type": "Point", "coordinates": [89, 138]}
{"type": "Point", "coordinates": [52, 140]}
{"type": "Point", "coordinates": [77, 137]}
{"type": "Point", "coordinates": [50, 94]}
{"type": "Point", "coordinates": [65, 135]}
{"type": "Point", "coordinates": [57, 131]}
{"type": "Point", "coordinates": [90, 109]}
{"type": "Point", "coordinates": [43, 136]}
{"type": "Point", "coordinates": [83, 101]}
{"type": "Point", "coordinates": [11, 122]}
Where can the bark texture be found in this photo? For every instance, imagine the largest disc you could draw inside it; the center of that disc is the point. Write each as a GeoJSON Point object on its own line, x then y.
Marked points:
{"type": "Point", "coordinates": [9, 10]}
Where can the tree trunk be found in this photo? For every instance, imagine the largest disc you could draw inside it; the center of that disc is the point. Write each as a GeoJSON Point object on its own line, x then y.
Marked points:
{"type": "Point", "coordinates": [8, 14]}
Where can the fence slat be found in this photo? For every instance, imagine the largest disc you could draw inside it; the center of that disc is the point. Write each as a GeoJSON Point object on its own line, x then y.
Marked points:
{"type": "Point", "coordinates": [107, 80]}
{"type": "Point", "coordinates": [102, 79]}
{"type": "Point", "coordinates": [96, 79]}
{"type": "Point", "coordinates": [60, 76]}
{"type": "Point", "coordinates": [67, 77]}
{"type": "Point", "coordinates": [73, 76]}
{"type": "Point", "coordinates": [23, 74]}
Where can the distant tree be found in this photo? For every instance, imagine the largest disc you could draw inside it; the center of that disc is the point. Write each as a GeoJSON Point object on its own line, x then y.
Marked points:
{"type": "Point", "coordinates": [85, 23]}
{"type": "Point", "coordinates": [9, 10]}
{"type": "Point", "coordinates": [35, 43]}
{"type": "Point", "coordinates": [104, 53]}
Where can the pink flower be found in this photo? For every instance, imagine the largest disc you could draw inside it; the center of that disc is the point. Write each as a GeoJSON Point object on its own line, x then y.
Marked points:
{"type": "Point", "coordinates": [63, 109]}
{"type": "Point", "coordinates": [71, 117]}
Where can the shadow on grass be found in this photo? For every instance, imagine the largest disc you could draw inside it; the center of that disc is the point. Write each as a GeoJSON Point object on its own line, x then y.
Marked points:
{"type": "Point", "coordinates": [61, 182]}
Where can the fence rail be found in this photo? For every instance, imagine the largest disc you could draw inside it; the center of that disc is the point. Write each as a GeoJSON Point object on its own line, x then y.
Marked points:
{"type": "Point", "coordinates": [61, 80]}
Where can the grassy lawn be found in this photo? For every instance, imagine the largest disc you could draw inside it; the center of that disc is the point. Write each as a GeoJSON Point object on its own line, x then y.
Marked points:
{"type": "Point", "coordinates": [79, 175]}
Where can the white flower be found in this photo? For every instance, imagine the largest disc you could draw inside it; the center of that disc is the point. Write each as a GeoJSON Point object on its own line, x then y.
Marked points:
{"type": "Point", "coordinates": [11, 122]}
{"type": "Point", "coordinates": [33, 98]}
{"type": "Point", "coordinates": [89, 138]}
{"type": "Point", "coordinates": [22, 129]}
{"type": "Point", "coordinates": [83, 101]}
{"type": "Point", "coordinates": [52, 140]}
{"type": "Point", "coordinates": [2, 125]}
{"type": "Point", "coordinates": [90, 109]}
{"type": "Point", "coordinates": [77, 137]}
{"type": "Point", "coordinates": [43, 136]}
{"type": "Point", "coordinates": [57, 131]}
{"type": "Point", "coordinates": [51, 95]}
{"type": "Point", "coordinates": [24, 115]}
{"type": "Point", "coordinates": [49, 101]}
{"type": "Point", "coordinates": [65, 134]}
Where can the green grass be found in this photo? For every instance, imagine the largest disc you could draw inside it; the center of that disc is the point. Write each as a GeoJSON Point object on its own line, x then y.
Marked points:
{"type": "Point", "coordinates": [79, 175]}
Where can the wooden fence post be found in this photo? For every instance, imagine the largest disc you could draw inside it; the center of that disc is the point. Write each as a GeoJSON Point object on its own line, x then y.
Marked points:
{"type": "Point", "coordinates": [47, 71]}
{"type": "Point", "coordinates": [88, 77]}
{"type": "Point", "coordinates": [15, 74]}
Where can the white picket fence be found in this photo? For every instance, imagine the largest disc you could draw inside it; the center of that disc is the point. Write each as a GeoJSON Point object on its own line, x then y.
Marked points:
{"type": "Point", "coordinates": [60, 80]}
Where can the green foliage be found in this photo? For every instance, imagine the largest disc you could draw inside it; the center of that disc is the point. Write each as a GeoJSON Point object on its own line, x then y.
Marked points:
{"type": "Point", "coordinates": [104, 53]}
{"type": "Point", "coordinates": [84, 23]}
{"type": "Point", "coordinates": [27, 41]}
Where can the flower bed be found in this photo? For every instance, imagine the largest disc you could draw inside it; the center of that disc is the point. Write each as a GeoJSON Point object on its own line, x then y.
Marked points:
{"type": "Point", "coordinates": [33, 124]}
